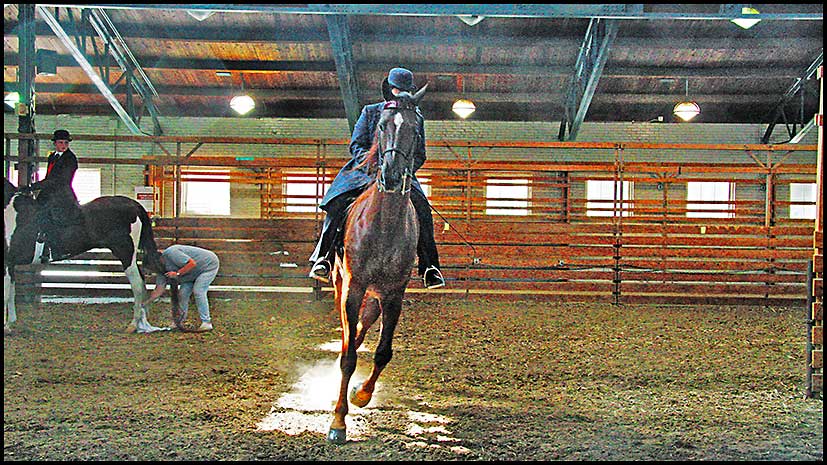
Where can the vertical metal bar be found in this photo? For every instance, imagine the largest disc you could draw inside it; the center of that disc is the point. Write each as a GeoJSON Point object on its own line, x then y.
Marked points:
{"type": "Point", "coordinates": [27, 166]}
{"type": "Point", "coordinates": [339, 32]}
{"type": "Point", "coordinates": [468, 193]}
{"type": "Point", "coordinates": [177, 183]}
{"type": "Point", "coordinates": [769, 199]}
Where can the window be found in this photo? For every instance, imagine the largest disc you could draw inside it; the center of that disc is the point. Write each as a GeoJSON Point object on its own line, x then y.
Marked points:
{"type": "Point", "coordinates": [300, 191]}
{"type": "Point", "coordinates": [507, 197]}
{"type": "Point", "coordinates": [425, 182]}
{"type": "Point", "coordinates": [716, 197]}
{"type": "Point", "coordinates": [600, 198]}
{"type": "Point", "coordinates": [205, 192]}
{"type": "Point", "coordinates": [86, 183]}
{"type": "Point", "coordinates": [803, 193]}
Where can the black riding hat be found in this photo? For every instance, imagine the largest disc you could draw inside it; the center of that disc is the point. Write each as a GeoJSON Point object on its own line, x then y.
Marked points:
{"type": "Point", "coordinates": [400, 78]}
{"type": "Point", "coordinates": [62, 134]}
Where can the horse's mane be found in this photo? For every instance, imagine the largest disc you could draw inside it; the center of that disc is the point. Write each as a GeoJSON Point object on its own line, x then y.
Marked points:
{"type": "Point", "coordinates": [371, 157]}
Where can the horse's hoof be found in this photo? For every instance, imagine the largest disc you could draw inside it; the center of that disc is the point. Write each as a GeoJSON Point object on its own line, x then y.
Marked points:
{"type": "Point", "coordinates": [337, 436]}
{"type": "Point", "coordinates": [359, 398]}
{"type": "Point", "coordinates": [131, 328]}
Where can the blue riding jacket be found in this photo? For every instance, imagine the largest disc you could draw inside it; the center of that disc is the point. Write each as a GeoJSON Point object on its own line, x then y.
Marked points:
{"type": "Point", "coordinates": [350, 178]}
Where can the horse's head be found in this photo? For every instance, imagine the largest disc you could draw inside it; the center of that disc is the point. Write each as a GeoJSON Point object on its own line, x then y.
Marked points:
{"type": "Point", "coordinates": [397, 136]}
{"type": "Point", "coordinates": [22, 200]}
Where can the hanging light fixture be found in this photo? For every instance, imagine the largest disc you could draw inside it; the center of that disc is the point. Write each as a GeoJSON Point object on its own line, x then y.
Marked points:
{"type": "Point", "coordinates": [200, 15]}
{"type": "Point", "coordinates": [242, 104]}
{"type": "Point", "coordinates": [687, 109]}
{"type": "Point", "coordinates": [463, 107]}
{"type": "Point", "coordinates": [747, 23]}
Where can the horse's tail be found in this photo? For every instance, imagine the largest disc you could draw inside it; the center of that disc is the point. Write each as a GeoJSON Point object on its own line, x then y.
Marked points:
{"type": "Point", "coordinates": [152, 258]}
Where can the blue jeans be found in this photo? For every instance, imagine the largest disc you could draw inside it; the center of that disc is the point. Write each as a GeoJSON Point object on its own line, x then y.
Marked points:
{"type": "Point", "coordinates": [198, 287]}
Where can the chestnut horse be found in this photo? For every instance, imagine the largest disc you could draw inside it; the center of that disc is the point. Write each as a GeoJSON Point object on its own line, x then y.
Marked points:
{"type": "Point", "coordinates": [380, 237]}
{"type": "Point", "coordinates": [117, 223]}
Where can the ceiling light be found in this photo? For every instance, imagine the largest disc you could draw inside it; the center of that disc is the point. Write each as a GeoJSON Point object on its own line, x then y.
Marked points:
{"type": "Point", "coordinates": [687, 109]}
{"type": "Point", "coordinates": [464, 108]}
{"type": "Point", "coordinates": [747, 23]}
{"type": "Point", "coordinates": [12, 99]}
{"type": "Point", "coordinates": [200, 15]}
{"type": "Point", "coordinates": [471, 20]}
{"type": "Point", "coordinates": [242, 104]}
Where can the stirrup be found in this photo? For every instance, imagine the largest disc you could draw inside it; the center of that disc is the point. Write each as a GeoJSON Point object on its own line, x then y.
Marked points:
{"type": "Point", "coordinates": [321, 271]}
{"type": "Point", "coordinates": [432, 278]}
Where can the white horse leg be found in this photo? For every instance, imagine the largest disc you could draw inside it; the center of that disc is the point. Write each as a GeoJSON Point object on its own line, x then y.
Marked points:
{"type": "Point", "coordinates": [9, 313]}
{"type": "Point", "coordinates": [139, 322]}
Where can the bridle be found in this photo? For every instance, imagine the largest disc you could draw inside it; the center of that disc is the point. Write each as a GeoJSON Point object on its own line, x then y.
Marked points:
{"type": "Point", "coordinates": [407, 175]}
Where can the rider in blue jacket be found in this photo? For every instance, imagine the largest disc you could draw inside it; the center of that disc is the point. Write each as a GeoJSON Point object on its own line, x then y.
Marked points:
{"type": "Point", "coordinates": [352, 181]}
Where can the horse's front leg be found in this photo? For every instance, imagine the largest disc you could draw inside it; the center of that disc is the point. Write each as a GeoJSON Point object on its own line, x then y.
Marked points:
{"type": "Point", "coordinates": [370, 312]}
{"type": "Point", "coordinates": [391, 309]}
{"type": "Point", "coordinates": [349, 314]}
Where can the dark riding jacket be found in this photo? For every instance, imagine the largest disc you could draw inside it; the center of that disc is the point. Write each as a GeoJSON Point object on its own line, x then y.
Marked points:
{"type": "Point", "coordinates": [56, 195]}
{"type": "Point", "coordinates": [350, 178]}
{"type": "Point", "coordinates": [59, 175]}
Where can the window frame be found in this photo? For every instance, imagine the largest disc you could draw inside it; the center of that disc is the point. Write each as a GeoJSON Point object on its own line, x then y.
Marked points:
{"type": "Point", "coordinates": [209, 187]}
{"type": "Point", "coordinates": [803, 212]}
{"type": "Point", "coordinates": [707, 210]}
{"type": "Point", "coordinates": [508, 205]}
{"type": "Point", "coordinates": [627, 199]}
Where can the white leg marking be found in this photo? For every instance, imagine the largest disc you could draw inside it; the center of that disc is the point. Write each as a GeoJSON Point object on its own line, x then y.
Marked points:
{"type": "Point", "coordinates": [9, 225]}
{"type": "Point", "coordinates": [139, 320]}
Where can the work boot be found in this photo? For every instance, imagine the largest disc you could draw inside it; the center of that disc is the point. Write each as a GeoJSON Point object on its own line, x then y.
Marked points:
{"type": "Point", "coordinates": [432, 278]}
{"type": "Point", "coordinates": [321, 270]}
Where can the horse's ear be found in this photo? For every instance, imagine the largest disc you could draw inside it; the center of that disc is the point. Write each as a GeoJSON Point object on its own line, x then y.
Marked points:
{"type": "Point", "coordinates": [419, 94]}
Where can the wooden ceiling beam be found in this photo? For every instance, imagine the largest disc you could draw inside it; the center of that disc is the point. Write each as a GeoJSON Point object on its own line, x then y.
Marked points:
{"type": "Point", "coordinates": [166, 92]}
{"type": "Point", "coordinates": [250, 36]}
{"type": "Point", "coordinates": [160, 63]}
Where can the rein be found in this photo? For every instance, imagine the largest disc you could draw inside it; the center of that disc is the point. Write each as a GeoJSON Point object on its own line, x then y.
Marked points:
{"type": "Point", "coordinates": [407, 182]}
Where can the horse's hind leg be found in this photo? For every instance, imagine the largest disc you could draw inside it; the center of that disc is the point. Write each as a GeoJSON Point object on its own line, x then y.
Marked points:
{"type": "Point", "coordinates": [127, 253]}
{"type": "Point", "coordinates": [9, 313]}
{"type": "Point", "coordinates": [349, 310]}
{"type": "Point", "coordinates": [391, 310]}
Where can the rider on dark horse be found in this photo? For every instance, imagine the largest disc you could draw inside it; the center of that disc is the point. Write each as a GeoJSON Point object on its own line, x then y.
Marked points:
{"type": "Point", "coordinates": [59, 206]}
{"type": "Point", "coordinates": [352, 181]}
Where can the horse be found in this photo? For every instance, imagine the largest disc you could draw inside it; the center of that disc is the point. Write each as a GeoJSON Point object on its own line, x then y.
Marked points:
{"type": "Point", "coordinates": [373, 267]}
{"type": "Point", "coordinates": [117, 223]}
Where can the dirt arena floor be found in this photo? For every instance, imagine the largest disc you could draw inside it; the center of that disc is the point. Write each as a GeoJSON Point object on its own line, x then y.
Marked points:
{"type": "Point", "coordinates": [470, 380]}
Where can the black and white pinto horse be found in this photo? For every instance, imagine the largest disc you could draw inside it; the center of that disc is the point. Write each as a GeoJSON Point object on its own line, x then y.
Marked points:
{"type": "Point", "coordinates": [117, 223]}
